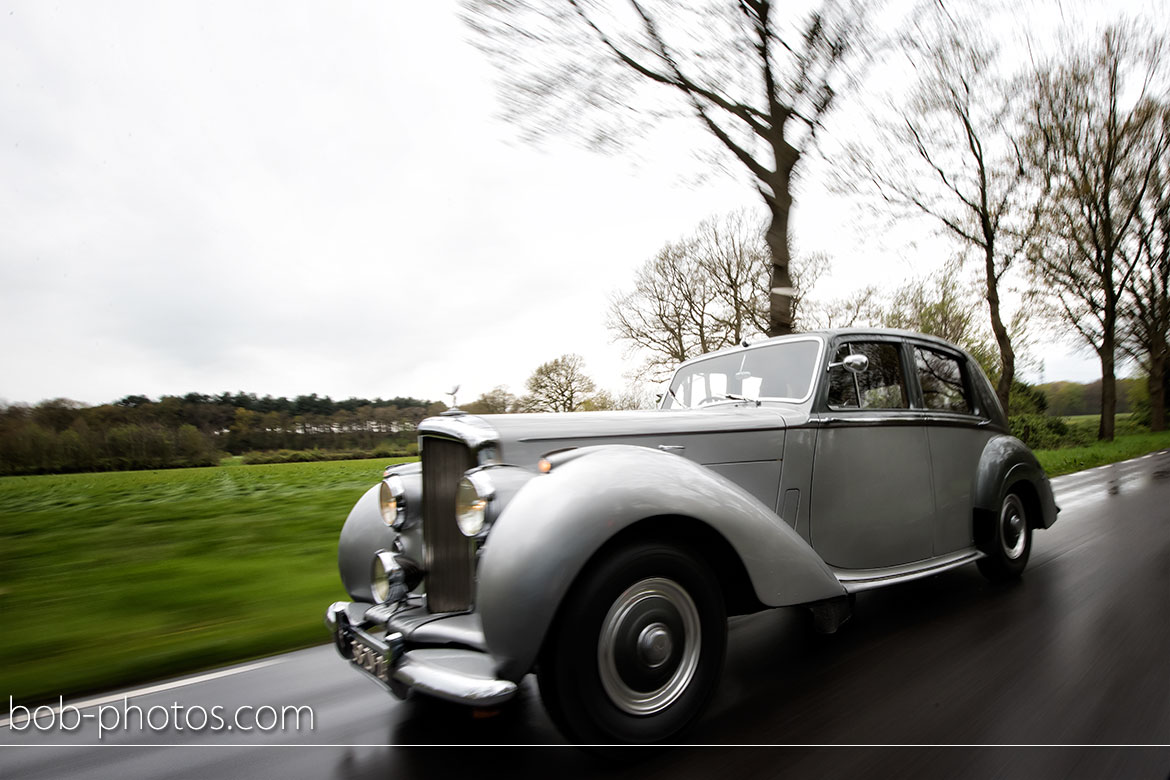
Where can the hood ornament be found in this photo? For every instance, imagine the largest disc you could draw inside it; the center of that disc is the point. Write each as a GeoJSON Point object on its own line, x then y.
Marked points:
{"type": "Point", "coordinates": [453, 410]}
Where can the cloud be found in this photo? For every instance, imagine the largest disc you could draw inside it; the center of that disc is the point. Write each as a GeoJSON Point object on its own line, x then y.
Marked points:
{"type": "Point", "coordinates": [211, 196]}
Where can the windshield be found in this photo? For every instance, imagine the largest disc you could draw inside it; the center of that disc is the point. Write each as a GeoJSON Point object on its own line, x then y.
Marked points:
{"type": "Point", "coordinates": [781, 372]}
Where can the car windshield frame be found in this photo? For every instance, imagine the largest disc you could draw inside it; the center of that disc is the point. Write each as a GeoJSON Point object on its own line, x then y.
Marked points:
{"type": "Point", "coordinates": [673, 397]}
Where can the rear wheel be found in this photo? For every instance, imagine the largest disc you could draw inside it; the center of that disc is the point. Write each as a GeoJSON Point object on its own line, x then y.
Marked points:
{"type": "Point", "coordinates": [637, 648]}
{"type": "Point", "coordinates": [1007, 555]}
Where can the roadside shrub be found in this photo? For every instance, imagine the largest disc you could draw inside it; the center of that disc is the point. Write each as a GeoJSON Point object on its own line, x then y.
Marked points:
{"type": "Point", "coordinates": [308, 456]}
{"type": "Point", "coordinates": [1039, 431]}
{"type": "Point", "coordinates": [1026, 399]}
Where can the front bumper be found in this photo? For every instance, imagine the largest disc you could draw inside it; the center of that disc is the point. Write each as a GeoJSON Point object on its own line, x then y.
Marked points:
{"type": "Point", "coordinates": [438, 655]}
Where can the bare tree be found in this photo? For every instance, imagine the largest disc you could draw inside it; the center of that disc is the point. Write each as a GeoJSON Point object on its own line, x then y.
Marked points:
{"type": "Point", "coordinates": [1092, 117]}
{"type": "Point", "coordinates": [495, 401]}
{"type": "Point", "coordinates": [667, 317]}
{"type": "Point", "coordinates": [702, 293]}
{"type": "Point", "coordinates": [559, 385]}
{"type": "Point", "coordinates": [953, 154]}
{"type": "Point", "coordinates": [758, 84]}
{"type": "Point", "coordinates": [1146, 321]}
{"type": "Point", "coordinates": [861, 308]}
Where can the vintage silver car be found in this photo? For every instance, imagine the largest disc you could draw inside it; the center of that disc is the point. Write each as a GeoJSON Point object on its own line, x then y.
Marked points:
{"type": "Point", "coordinates": [605, 550]}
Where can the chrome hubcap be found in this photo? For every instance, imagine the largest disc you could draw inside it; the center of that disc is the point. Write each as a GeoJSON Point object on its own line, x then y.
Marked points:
{"type": "Point", "coordinates": [648, 649]}
{"type": "Point", "coordinates": [655, 645]}
{"type": "Point", "coordinates": [1013, 534]}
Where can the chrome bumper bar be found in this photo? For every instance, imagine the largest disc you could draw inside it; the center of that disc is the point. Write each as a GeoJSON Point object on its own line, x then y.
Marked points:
{"type": "Point", "coordinates": [456, 674]}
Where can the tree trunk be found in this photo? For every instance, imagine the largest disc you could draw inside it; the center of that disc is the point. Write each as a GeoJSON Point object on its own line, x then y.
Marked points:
{"type": "Point", "coordinates": [781, 290]}
{"type": "Point", "coordinates": [1157, 386]}
{"type": "Point", "coordinates": [1007, 355]}
{"type": "Point", "coordinates": [1165, 391]}
{"type": "Point", "coordinates": [1108, 387]}
{"type": "Point", "coordinates": [782, 293]}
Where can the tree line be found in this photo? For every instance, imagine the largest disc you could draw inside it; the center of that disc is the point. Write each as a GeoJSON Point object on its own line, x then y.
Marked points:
{"type": "Point", "coordinates": [136, 432]}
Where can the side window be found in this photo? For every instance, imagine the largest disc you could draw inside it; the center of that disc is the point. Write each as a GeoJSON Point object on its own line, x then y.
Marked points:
{"type": "Point", "coordinates": [942, 381]}
{"type": "Point", "coordinates": [881, 386]}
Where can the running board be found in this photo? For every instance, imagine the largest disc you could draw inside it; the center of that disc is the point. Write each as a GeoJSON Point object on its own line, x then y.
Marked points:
{"type": "Point", "coordinates": [857, 580]}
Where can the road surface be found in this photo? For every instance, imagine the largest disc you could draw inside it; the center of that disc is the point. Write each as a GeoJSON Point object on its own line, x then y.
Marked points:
{"type": "Point", "coordinates": [945, 676]}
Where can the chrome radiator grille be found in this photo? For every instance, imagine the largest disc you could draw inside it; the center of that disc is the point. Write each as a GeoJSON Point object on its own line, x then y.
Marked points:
{"type": "Point", "coordinates": [450, 556]}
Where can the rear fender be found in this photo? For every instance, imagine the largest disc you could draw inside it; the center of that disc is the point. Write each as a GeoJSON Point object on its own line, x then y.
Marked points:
{"type": "Point", "coordinates": [1006, 463]}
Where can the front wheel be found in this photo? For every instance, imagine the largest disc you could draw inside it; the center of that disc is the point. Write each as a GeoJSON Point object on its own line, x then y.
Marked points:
{"type": "Point", "coordinates": [637, 648]}
{"type": "Point", "coordinates": [1007, 555]}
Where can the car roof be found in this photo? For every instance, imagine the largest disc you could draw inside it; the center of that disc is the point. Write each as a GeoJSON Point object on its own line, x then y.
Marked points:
{"type": "Point", "coordinates": [894, 332]}
{"type": "Point", "coordinates": [828, 334]}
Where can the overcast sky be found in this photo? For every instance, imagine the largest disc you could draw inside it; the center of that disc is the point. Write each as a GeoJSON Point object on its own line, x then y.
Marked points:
{"type": "Point", "coordinates": [286, 199]}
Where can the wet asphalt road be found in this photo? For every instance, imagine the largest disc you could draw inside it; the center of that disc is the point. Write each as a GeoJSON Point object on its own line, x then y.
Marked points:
{"type": "Point", "coordinates": [1075, 658]}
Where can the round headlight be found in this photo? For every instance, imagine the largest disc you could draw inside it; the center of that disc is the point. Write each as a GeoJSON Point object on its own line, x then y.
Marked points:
{"type": "Point", "coordinates": [392, 498]}
{"type": "Point", "coordinates": [470, 508]}
{"type": "Point", "coordinates": [387, 579]}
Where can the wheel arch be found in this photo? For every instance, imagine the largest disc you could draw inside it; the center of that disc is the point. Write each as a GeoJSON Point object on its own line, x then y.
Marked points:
{"type": "Point", "coordinates": [700, 539]}
{"type": "Point", "coordinates": [1008, 465]}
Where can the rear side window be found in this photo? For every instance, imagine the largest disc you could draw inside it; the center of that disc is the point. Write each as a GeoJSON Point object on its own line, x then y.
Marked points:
{"type": "Point", "coordinates": [941, 377]}
{"type": "Point", "coordinates": [881, 386]}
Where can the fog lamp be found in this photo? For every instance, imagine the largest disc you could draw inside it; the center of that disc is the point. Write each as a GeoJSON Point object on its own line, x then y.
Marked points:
{"type": "Point", "coordinates": [387, 579]}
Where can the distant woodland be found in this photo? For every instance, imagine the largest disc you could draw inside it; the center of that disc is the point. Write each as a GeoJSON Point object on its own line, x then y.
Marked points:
{"type": "Point", "coordinates": [137, 432]}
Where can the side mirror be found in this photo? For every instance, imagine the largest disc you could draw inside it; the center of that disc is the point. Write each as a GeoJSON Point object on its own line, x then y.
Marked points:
{"type": "Point", "coordinates": [857, 364]}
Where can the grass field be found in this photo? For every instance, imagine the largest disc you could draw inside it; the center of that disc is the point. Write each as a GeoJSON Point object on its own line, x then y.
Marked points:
{"type": "Point", "coordinates": [114, 578]}
{"type": "Point", "coordinates": [1124, 447]}
{"type": "Point", "coordinates": [1092, 420]}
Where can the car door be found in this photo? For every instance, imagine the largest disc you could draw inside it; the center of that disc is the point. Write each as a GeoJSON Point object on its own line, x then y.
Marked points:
{"type": "Point", "coordinates": [957, 432]}
{"type": "Point", "coordinates": [872, 503]}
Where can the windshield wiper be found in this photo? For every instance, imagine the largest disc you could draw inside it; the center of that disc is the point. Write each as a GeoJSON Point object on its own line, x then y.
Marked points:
{"type": "Point", "coordinates": [676, 398]}
{"type": "Point", "coordinates": [732, 397]}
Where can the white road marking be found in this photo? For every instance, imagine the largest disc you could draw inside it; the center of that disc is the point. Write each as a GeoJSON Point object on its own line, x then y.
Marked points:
{"type": "Point", "coordinates": [81, 705]}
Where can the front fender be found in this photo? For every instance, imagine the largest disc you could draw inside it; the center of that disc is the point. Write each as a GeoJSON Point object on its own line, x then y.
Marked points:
{"type": "Point", "coordinates": [1005, 462]}
{"type": "Point", "coordinates": [557, 522]}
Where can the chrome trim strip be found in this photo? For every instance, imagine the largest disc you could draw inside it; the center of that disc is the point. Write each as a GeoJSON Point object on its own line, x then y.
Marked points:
{"type": "Point", "coordinates": [779, 426]}
{"type": "Point", "coordinates": [859, 420]}
{"type": "Point", "coordinates": [908, 417]}
{"type": "Point", "coordinates": [857, 580]}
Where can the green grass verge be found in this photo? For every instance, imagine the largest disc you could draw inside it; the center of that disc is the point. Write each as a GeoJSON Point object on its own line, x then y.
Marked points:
{"type": "Point", "coordinates": [1094, 420]}
{"type": "Point", "coordinates": [116, 578]}
{"type": "Point", "coordinates": [1124, 447]}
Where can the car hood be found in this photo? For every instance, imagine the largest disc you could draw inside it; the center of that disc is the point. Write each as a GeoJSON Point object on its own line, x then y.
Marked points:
{"type": "Point", "coordinates": [721, 434]}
